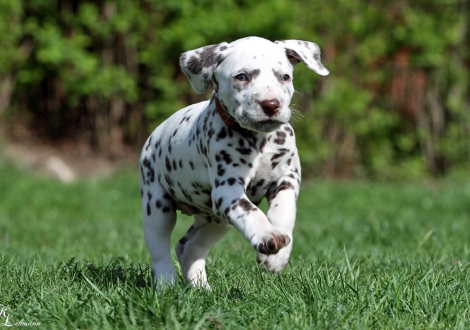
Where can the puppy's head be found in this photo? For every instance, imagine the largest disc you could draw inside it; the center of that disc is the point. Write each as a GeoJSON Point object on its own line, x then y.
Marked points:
{"type": "Point", "coordinates": [252, 77]}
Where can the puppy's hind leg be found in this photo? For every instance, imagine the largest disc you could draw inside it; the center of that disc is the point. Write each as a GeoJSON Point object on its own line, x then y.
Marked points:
{"type": "Point", "coordinates": [192, 249]}
{"type": "Point", "coordinates": [159, 218]}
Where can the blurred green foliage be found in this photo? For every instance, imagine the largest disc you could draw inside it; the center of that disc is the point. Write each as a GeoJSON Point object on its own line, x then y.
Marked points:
{"type": "Point", "coordinates": [395, 104]}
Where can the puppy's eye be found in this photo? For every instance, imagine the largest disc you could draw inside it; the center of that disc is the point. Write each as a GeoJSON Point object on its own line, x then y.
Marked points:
{"type": "Point", "coordinates": [241, 77]}
{"type": "Point", "coordinates": [285, 77]}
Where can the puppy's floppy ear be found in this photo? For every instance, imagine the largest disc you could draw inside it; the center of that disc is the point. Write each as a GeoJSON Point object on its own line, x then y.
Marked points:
{"type": "Point", "coordinates": [199, 64]}
{"type": "Point", "coordinates": [305, 52]}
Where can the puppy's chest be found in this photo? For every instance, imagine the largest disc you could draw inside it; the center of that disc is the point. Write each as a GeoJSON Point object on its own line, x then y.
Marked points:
{"type": "Point", "coordinates": [269, 168]}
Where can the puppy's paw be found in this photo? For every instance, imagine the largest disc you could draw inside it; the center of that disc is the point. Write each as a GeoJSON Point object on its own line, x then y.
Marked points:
{"type": "Point", "coordinates": [272, 243]}
{"type": "Point", "coordinates": [274, 263]}
{"type": "Point", "coordinates": [164, 275]}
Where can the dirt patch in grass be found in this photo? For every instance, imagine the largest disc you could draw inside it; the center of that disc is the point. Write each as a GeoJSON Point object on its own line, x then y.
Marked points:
{"type": "Point", "coordinates": [65, 160]}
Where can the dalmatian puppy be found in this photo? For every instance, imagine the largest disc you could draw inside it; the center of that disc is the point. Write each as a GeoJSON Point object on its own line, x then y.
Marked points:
{"type": "Point", "coordinates": [218, 159]}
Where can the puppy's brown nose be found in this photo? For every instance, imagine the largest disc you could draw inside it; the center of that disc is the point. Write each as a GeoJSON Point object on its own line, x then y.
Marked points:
{"type": "Point", "coordinates": [270, 107]}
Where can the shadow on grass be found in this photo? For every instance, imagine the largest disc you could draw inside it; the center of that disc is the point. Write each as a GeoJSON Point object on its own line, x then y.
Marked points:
{"type": "Point", "coordinates": [117, 272]}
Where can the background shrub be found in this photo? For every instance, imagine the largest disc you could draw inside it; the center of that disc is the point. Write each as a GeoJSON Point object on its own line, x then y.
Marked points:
{"type": "Point", "coordinates": [106, 72]}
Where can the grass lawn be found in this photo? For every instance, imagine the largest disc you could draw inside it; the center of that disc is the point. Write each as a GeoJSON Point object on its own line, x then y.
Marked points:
{"type": "Point", "coordinates": [366, 255]}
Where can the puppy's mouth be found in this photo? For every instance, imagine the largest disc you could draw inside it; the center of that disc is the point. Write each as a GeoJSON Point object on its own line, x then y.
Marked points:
{"type": "Point", "coordinates": [262, 126]}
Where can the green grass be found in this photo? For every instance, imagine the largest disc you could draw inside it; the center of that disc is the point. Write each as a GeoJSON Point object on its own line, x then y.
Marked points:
{"type": "Point", "coordinates": [366, 255]}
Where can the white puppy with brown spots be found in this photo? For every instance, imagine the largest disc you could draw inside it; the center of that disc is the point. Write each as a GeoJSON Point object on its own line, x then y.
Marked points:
{"type": "Point", "coordinates": [218, 159]}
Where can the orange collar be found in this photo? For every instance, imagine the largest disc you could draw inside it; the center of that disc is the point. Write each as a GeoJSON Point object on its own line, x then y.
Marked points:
{"type": "Point", "coordinates": [229, 121]}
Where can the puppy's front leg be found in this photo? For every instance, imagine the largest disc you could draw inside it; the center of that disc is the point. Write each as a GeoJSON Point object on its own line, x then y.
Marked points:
{"type": "Point", "coordinates": [282, 199]}
{"type": "Point", "coordinates": [231, 203]}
